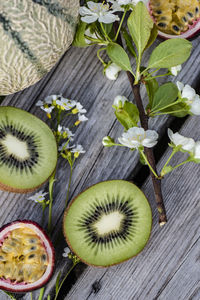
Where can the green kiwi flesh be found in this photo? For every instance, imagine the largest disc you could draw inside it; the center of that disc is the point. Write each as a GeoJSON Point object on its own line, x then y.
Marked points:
{"type": "Point", "coordinates": [28, 150]}
{"type": "Point", "coordinates": [108, 223]}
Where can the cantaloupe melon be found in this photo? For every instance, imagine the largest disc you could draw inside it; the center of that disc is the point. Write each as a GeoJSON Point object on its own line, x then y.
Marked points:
{"type": "Point", "coordinates": [34, 34]}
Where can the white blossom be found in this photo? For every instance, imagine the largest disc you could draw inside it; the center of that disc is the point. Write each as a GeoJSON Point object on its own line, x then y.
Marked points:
{"type": "Point", "coordinates": [38, 197]}
{"type": "Point", "coordinates": [65, 132]}
{"type": "Point", "coordinates": [107, 141]}
{"type": "Point", "coordinates": [137, 137]}
{"type": "Point", "coordinates": [119, 101]}
{"type": "Point", "coordinates": [65, 103]}
{"type": "Point", "coordinates": [195, 106]}
{"type": "Point", "coordinates": [116, 4]}
{"type": "Point", "coordinates": [82, 118]}
{"type": "Point", "coordinates": [51, 98]}
{"type": "Point", "coordinates": [40, 103]}
{"type": "Point", "coordinates": [65, 146]}
{"type": "Point", "coordinates": [97, 11]}
{"type": "Point", "coordinates": [187, 144]}
{"type": "Point", "coordinates": [196, 151]}
{"type": "Point", "coordinates": [78, 149]}
{"type": "Point", "coordinates": [48, 110]}
{"type": "Point", "coordinates": [79, 108]}
{"type": "Point", "coordinates": [66, 252]}
{"type": "Point", "coordinates": [175, 70]}
{"type": "Point", "coordinates": [193, 100]}
{"type": "Point", "coordinates": [112, 71]}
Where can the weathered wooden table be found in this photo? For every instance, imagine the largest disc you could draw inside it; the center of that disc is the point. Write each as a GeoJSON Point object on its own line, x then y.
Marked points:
{"type": "Point", "coordinates": [169, 266]}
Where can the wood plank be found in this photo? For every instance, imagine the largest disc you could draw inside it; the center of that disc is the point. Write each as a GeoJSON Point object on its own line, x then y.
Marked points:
{"type": "Point", "coordinates": [78, 75]}
{"type": "Point", "coordinates": [171, 252]}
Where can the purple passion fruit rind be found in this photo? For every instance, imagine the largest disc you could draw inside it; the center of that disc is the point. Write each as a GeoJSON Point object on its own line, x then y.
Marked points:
{"type": "Point", "coordinates": [27, 257]}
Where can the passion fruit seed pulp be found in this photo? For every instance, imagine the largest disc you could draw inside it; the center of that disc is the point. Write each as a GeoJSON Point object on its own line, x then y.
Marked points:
{"type": "Point", "coordinates": [175, 16]}
{"type": "Point", "coordinates": [23, 257]}
{"type": "Point", "coordinates": [26, 257]}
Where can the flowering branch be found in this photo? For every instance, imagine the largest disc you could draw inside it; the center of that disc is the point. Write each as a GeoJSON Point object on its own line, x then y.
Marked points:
{"type": "Point", "coordinates": [149, 152]}
{"type": "Point", "coordinates": [98, 22]}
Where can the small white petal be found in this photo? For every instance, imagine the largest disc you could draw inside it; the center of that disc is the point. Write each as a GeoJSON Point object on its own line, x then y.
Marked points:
{"type": "Point", "coordinates": [82, 118]}
{"type": "Point", "coordinates": [94, 6]}
{"type": "Point", "coordinates": [119, 101]}
{"type": "Point", "coordinates": [195, 107]}
{"type": "Point", "coordinates": [83, 11]}
{"type": "Point", "coordinates": [188, 92]}
{"type": "Point", "coordinates": [108, 18]}
{"type": "Point", "coordinates": [89, 19]}
{"type": "Point", "coordinates": [180, 85]}
{"type": "Point", "coordinates": [197, 150]}
{"type": "Point", "coordinates": [175, 70]}
{"type": "Point", "coordinates": [112, 71]}
{"type": "Point", "coordinates": [39, 103]}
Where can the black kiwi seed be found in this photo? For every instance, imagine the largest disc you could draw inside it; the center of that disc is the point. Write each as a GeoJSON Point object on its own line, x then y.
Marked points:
{"type": "Point", "coordinates": [31, 256]}
{"type": "Point", "coordinates": [9, 159]}
{"type": "Point", "coordinates": [196, 10]}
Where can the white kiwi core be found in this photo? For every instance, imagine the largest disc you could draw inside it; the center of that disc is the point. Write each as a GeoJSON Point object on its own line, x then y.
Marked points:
{"type": "Point", "coordinates": [109, 223]}
{"type": "Point", "coordinates": [16, 147]}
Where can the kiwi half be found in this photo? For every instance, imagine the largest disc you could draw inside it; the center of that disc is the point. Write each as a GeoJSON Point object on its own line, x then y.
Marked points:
{"type": "Point", "coordinates": [108, 223]}
{"type": "Point", "coordinates": [28, 150]}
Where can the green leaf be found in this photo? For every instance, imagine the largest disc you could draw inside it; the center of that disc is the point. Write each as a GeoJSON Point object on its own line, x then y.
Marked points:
{"type": "Point", "coordinates": [151, 88]}
{"type": "Point", "coordinates": [128, 116]}
{"type": "Point", "coordinates": [129, 43]}
{"type": "Point", "coordinates": [170, 53]}
{"type": "Point", "coordinates": [153, 36]}
{"type": "Point", "coordinates": [140, 25]}
{"type": "Point", "coordinates": [79, 40]}
{"type": "Point", "coordinates": [165, 95]}
{"type": "Point", "coordinates": [118, 55]}
{"type": "Point", "coordinates": [57, 282]}
{"type": "Point", "coordinates": [132, 111]}
{"type": "Point", "coordinates": [178, 110]}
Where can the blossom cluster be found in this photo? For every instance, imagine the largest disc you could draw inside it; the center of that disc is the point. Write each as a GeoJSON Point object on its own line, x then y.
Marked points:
{"type": "Point", "coordinates": [53, 102]}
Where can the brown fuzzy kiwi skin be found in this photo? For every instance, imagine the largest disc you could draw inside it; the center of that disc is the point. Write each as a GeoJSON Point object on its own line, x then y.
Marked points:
{"type": "Point", "coordinates": [11, 189]}
{"type": "Point", "coordinates": [68, 243]}
{"type": "Point", "coordinates": [7, 188]}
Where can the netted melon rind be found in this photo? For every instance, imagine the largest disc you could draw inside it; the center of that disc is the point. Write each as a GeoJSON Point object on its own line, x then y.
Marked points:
{"type": "Point", "coordinates": [33, 37]}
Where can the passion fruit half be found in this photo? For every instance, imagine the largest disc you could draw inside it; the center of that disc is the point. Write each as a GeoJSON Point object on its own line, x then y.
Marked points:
{"type": "Point", "coordinates": [26, 257]}
{"type": "Point", "coordinates": [175, 18]}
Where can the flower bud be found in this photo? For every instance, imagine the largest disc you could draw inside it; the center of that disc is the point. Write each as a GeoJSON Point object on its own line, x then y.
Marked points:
{"type": "Point", "coordinates": [112, 71]}
{"type": "Point", "coordinates": [108, 141]}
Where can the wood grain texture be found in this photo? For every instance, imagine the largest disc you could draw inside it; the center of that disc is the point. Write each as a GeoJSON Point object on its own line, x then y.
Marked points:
{"type": "Point", "coordinates": [169, 266]}
{"type": "Point", "coordinates": [79, 76]}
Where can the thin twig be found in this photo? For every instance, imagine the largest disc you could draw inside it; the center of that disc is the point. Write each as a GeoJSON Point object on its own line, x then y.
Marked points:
{"type": "Point", "coordinates": [148, 151]}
